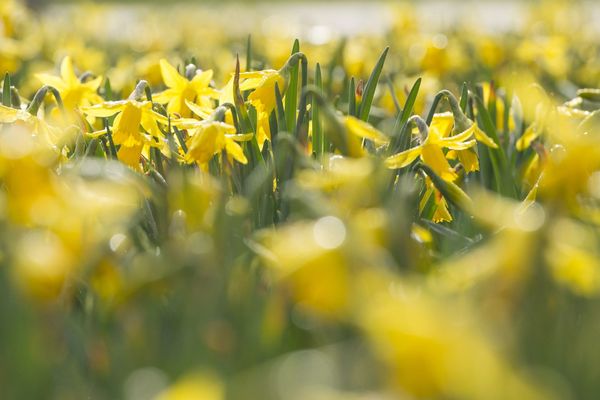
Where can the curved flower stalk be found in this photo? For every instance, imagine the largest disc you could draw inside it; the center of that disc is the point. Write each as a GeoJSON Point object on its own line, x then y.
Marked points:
{"type": "Point", "coordinates": [181, 90]}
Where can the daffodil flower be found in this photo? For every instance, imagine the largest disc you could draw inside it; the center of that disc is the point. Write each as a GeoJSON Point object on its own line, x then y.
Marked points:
{"type": "Point", "coordinates": [180, 90]}
{"type": "Point", "coordinates": [438, 137]}
{"type": "Point", "coordinates": [359, 129]}
{"type": "Point", "coordinates": [212, 137]}
{"type": "Point", "coordinates": [444, 123]}
{"type": "Point", "coordinates": [133, 116]}
{"type": "Point", "coordinates": [38, 126]}
{"type": "Point", "coordinates": [431, 150]}
{"type": "Point", "coordinates": [262, 84]}
{"type": "Point", "coordinates": [73, 92]}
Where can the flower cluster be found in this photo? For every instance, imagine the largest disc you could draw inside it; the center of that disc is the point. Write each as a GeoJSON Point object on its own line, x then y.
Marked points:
{"type": "Point", "coordinates": [309, 221]}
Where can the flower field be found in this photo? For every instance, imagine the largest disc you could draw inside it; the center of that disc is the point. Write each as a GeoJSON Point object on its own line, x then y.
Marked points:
{"type": "Point", "coordinates": [195, 210]}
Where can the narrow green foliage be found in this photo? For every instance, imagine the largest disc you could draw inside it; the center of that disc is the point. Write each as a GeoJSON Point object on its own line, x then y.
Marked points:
{"type": "Point", "coordinates": [249, 54]}
{"type": "Point", "coordinates": [400, 138]}
{"type": "Point", "coordinates": [291, 94]}
{"type": "Point", "coordinates": [352, 97]}
{"type": "Point", "coordinates": [369, 91]}
{"type": "Point", "coordinates": [504, 179]}
{"type": "Point", "coordinates": [449, 190]}
{"type": "Point", "coordinates": [317, 129]}
{"type": "Point", "coordinates": [464, 97]}
{"type": "Point", "coordinates": [397, 106]}
{"type": "Point", "coordinates": [6, 95]}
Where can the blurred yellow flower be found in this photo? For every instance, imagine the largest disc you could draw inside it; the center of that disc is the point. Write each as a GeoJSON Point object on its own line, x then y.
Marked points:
{"type": "Point", "coordinates": [73, 92]}
{"type": "Point", "coordinates": [194, 387]}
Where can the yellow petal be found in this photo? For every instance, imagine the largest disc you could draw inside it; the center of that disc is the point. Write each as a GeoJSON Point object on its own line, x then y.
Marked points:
{"type": "Point", "coordinates": [461, 145]}
{"type": "Point", "coordinates": [95, 83]}
{"type": "Point", "coordinates": [530, 134]}
{"type": "Point", "coordinates": [67, 72]}
{"type": "Point", "coordinates": [469, 160]}
{"type": "Point", "coordinates": [171, 77]}
{"type": "Point", "coordinates": [364, 130]}
{"type": "Point", "coordinates": [241, 138]}
{"type": "Point", "coordinates": [202, 80]}
{"type": "Point", "coordinates": [104, 110]}
{"type": "Point", "coordinates": [404, 158]}
{"type": "Point", "coordinates": [483, 138]}
{"type": "Point", "coordinates": [202, 112]}
{"type": "Point", "coordinates": [441, 212]}
{"type": "Point", "coordinates": [130, 155]}
{"type": "Point", "coordinates": [51, 80]}
{"type": "Point", "coordinates": [8, 115]}
{"type": "Point", "coordinates": [443, 123]}
{"type": "Point", "coordinates": [460, 137]}
{"type": "Point", "coordinates": [433, 156]}
{"type": "Point", "coordinates": [235, 150]}
{"type": "Point", "coordinates": [226, 95]}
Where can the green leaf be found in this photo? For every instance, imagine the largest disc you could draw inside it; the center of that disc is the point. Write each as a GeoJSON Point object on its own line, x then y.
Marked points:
{"type": "Point", "coordinates": [317, 127]}
{"type": "Point", "coordinates": [279, 109]}
{"type": "Point", "coordinates": [6, 91]}
{"type": "Point", "coordinates": [399, 134]}
{"type": "Point", "coordinates": [503, 176]}
{"type": "Point", "coordinates": [352, 97]}
{"type": "Point", "coordinates": [449, 190]}
{"type": "Point", "coordinates": [369, 93]}
{"type": "Point", "coordinates": [393, 94]}
{"type": "Point", "coordinates": [249, 54]}
{"type": "Point", "coordinates": [464, 97]}
{"type": "Point", "coordinates": [291, 94]}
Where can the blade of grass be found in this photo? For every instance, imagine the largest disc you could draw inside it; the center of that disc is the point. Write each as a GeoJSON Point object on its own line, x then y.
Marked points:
{"type": "Point", "coordinates": [369, 93]}
{"type": "Point", "coordinates": [317, 128]}
{"type": "Point", "coordinates": [503, 176]}
{"type": "Point", "coordinates": [398, 141]}
{"type": "Point", "coordinates": [464, 97]}
{"type": "Point", "coordinates": [6, 95]}
{"type": "Point", "coordinates": [352, 97]}
{"type": "Point", "coordinates": [291, 94]}
{"type": "Point", "coordinates": [249, 53]}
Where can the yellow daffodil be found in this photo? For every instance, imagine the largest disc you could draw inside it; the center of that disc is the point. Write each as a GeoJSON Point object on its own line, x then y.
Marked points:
{"type": "Point", "coordinates": [133, 117]}
{"type": "Point", "coordinates": [358, 130]}
{"type": "Point", "coordinates": [438, 138]}
{"type": "Point", "coordinates": [180, 89]}
{"type": "Point", "coordinates": [212, 137]}
{"type": "Point", "coordinates": [262, 84]}
{"type": "Point", "coordinates": [73, 92]}
{"type": "Point", "coordinates": [37, 126]}
{"type": "Point", "coordinates": [431, 151]}
{"type": "Point", "coordinates": [444, 123]}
